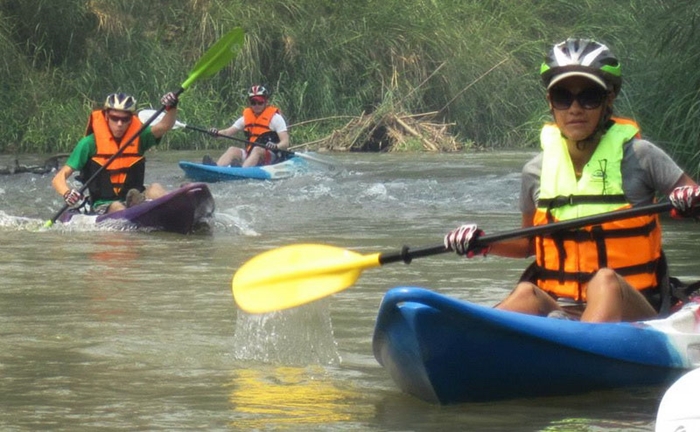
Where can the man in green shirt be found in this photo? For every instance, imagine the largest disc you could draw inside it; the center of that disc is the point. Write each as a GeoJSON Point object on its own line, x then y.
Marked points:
{"type": "Point", "coordinates": [119, 184]}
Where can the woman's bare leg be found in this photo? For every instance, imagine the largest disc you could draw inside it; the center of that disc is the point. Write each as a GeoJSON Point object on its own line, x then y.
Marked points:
{"type": "Point", "coordinates": [529, 299]}
{"type": "Point", "coordinates": [611, 299]}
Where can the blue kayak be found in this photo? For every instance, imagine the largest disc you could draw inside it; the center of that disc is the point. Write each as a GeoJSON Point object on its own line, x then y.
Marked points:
{"type": "Point", "coordinates": [185, 210]}
{"type": "Point", "coordinates": [443, 350]}
{"type": "Point", "coordinates": [211, 173]}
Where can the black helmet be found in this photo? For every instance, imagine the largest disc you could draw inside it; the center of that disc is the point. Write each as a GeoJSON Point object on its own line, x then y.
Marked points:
{"type": "Point", "coordinates": [120, 101]}
{"type": "Point", "coordinates": [582, 57]}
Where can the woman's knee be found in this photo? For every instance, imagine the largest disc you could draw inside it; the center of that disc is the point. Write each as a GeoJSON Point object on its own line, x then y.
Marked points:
{"type": "Point", "coordinates": [528, 298]}
{"type": "Point", "coordinates": [605, 274]}
{"type": "Point", "coordinates": [604, 279]}
{"type": "Point", "coordinates": [526, 289]}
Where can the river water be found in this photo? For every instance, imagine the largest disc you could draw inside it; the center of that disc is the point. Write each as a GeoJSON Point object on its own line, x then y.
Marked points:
{"type": "Point", "coordinates": [119, 330]}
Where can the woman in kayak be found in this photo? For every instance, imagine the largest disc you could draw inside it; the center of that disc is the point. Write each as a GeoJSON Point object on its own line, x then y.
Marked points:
{"type": "Point", "coordinates": [591, 162]}
{"type": "Point", "coordinates": [119, 184]}
{"type": "Point", "coordinates": [259, 118]}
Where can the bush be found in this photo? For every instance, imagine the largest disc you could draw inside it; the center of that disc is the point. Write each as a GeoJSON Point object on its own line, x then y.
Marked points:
{"type": "Point", "coordinates": [473, 62]}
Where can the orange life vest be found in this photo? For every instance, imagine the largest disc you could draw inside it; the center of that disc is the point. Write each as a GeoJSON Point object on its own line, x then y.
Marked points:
{"type": "Point", "coordinates": [256, 125]}
{"type": "Point", "coordinates": [567, 260]}
{"type": "Point", "coordinates": [629, 122]}
{"type": "Point", "coordinates": [126, 171]}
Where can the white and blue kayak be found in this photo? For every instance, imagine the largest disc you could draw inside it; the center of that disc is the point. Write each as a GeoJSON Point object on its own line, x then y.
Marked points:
{"type": "Point", "coordinates": [678, 410]}
{"type": "Point", "coordinates": [443, 350]}
{"type": "Point", "coordinates": [212, 173]}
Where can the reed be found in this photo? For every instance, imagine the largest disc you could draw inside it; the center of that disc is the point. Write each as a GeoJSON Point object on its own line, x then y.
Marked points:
{"type": "Point", "coordinates": [670, 100]}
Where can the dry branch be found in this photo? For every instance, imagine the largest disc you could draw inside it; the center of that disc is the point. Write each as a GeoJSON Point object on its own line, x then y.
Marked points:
{"type": "Point", "coordinates": [390, 132]}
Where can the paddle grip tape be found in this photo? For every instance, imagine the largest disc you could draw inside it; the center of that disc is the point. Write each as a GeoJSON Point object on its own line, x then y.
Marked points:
{"type": "Point", "coordinates": [405, 255]}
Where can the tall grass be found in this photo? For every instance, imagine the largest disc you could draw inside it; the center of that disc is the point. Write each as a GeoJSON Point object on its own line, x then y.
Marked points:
{"type": "Point", "coordinates": [671, 101]}
{"type": "Point", "coordinates": [475, 62]}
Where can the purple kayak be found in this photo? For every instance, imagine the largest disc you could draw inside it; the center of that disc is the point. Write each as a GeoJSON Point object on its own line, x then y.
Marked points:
{"type": "Point", "coordinates": [185, 210]}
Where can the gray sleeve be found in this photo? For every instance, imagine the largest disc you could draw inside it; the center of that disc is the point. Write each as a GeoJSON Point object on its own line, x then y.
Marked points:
{"type": "Point", "coordinates": [530, 185]}
{"type": "Point", "coordinates": [647, 172]}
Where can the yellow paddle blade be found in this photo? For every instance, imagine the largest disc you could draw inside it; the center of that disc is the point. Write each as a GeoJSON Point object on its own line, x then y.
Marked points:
{"type": "Point", "coordinates": [295, 275]}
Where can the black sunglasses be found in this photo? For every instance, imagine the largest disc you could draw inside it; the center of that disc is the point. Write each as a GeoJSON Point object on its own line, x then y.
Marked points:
{"type": "Point", "coordinates": [590, 98]}
{"type": "Point", "coordinates": [252, 102]}
{"type": "Point", "coordinates": [117, 119]}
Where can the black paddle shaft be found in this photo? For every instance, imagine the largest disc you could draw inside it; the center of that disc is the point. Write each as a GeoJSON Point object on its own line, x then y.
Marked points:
{"type": "Point", "coordinates": [288, 153]}
{"type": "Point", "coordinates": [407, 254]}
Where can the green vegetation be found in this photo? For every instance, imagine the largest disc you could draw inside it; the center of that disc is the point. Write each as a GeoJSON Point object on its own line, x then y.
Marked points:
{"type": "Point", "coordinates": [474, 62]}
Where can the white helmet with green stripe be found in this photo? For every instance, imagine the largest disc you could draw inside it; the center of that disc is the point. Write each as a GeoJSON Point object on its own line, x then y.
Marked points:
{"type": "Point", "coordinates": [582, 57]}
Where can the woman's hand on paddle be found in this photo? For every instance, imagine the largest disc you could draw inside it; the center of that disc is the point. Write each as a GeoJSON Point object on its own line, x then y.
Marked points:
{"type": "Point", "coordinates": [73, 198]}
{"type": "Point", "coordinates": [213, 132]}
{"type": "Point", "coordinates": [461, 241]}
{"type": "Point", "coordinates": [685, 201]}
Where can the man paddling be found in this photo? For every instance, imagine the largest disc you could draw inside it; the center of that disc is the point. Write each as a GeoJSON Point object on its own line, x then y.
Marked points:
{"type": "Point", "coordinates": [591, 163]}
{"type": "Point", "coordinates": [260, 120]}
{"type": "Point", "coordinates": [120, 184]}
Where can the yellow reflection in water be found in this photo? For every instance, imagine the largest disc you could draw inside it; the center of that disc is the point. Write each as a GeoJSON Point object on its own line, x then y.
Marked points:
{"type": "Point", "coordinates": [288, 397]}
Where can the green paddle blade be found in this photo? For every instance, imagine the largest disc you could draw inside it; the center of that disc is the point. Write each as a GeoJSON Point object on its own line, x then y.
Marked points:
{"type": "Point", "coordinates": [294, 275]}
{"type": "Point", "coordinates": [218, 56]}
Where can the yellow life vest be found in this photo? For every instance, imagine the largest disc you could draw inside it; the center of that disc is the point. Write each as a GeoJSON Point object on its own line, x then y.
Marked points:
{"type": "Point", "coordinates": [567, 260]}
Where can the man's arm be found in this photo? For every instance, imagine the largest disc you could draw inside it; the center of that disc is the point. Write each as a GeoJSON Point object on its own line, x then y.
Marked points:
{"type": "Point", "coordinates": [169, 100]}
{"type": "Point", "coordinates": [284, 140]}
{"type": "Point", "coordinates": [60, 180]}
{"type": "Point", "coordinates": [159, 129]}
